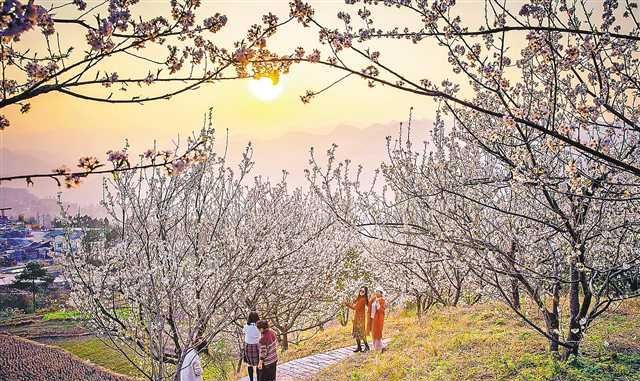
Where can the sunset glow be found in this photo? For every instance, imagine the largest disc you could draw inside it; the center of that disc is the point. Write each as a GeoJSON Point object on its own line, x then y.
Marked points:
{"type": "Point", "coordinates": [265, 89]}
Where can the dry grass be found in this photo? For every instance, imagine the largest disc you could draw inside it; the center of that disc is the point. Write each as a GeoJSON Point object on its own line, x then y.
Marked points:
{"type": "Point", "coordinates": [485, 343]}
{"type": "Point", "coordinates": [332, 337]}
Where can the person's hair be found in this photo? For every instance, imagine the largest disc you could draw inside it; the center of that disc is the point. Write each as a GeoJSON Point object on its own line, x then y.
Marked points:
{"type": "Point", "coordinates": [263, 324]}
{"type": "Point", "coordinates": [253, 317]}
{"type": "Point", "coordinates": [366, 292]}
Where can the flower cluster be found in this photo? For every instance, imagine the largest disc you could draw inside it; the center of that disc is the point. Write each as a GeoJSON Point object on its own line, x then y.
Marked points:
{"type": "Point", "coordinates": [147, 31]}
{"type": "Point", "coordinates": [301, 11]}
{"type": "Point", "coordinates": [45, 22]}
{"type": "Point", "coordinates": [100, 39]}
{"type": "Point", "coordinates": [216, 22]}
{"type": "Point", "coordinates": [307, 97]}
{"type": "Point", "coordinates": [119, 158]}
{"type": "Point", "coordinates": [175, 60]}
{"type": "Point", "coordinates": [338, 41]}
{"type": "Point", "coordinates": [4, 122]}
{"type": "Point", "coordinates": [110, 79]}
{"type": "Point", "coordinates": [314, 56]}
{"type": "Point", "coordinates": [88, 163]}
{"type": "Point", "coordinates": [80, 4]}
{"type": "Point", "coordinates": [37, 72]}
{"type": "Point", "coordinates": [120, 14]}
{"type": "Point", "coordinates": [17, 18]}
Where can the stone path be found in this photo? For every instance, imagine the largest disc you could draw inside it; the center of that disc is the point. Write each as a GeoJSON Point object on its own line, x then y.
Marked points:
{"type": "Point", "coordinates": [303, 368]}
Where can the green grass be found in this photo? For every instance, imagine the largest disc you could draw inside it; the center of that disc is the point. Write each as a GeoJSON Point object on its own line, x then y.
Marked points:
{"type": "Point", "coordinates": [62, 315]}
{"type": "Point", "coordinates": [539, 367]}
{"type": "Point", "coordinates": [97, 352]}
{"type": "Point", "coordinates": [94, 350]}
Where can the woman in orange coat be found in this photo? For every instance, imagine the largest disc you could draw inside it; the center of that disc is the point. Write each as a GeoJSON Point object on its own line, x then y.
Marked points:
{"type": "Point", "coordinates": [359, 330]}
{"type": "Point", "coordinates": [377, 315]}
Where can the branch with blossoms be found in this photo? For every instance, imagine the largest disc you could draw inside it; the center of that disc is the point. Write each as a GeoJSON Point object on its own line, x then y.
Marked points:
{"type": "Point", "coordinates": [585, 75]}
{"type": "Point", "coordinates": [169, 160]}
{"type": "Point", "coordinates": [192, 58]}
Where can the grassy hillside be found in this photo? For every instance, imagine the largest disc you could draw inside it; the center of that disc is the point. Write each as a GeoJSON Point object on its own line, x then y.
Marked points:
{"type": "Point", "coordinates": [94, 350]}
{"type": "Point", "coordinates": [484, 343]}
{"type": "Point", "coordinates": [474, 343]}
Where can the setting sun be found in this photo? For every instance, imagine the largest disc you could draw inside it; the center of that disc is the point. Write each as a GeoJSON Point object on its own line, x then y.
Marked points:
{"type": "Point", "coordinates": [266, 88]}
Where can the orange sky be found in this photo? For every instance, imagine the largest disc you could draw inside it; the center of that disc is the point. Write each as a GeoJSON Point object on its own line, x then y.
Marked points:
{"type": "Point", "coordinates": [59, 129]}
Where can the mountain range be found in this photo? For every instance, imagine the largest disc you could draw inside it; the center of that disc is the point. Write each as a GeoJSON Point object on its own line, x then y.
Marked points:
{"type": "Point", "coordinates": [291, 152]}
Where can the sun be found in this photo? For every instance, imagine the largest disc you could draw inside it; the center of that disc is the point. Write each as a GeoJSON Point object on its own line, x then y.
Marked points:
{"type": "Point", "coordinates": [267, 88]}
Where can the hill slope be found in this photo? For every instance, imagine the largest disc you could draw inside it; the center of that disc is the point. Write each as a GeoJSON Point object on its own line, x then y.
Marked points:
{"type": "Point", "coordinates": [484, 342]}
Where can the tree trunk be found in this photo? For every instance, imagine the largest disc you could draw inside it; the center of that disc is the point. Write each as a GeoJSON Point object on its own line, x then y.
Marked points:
{"type": "Point", "coordinates": [419, 305]}
{"type": "Point", "coordinates": [553, 328]}
{"type": "Point", "coordinates": [515, 289]}
{"type": "Point", "coordinates": [574, 335]}
{"type": "Point", "coordinates": [177, 377]}
{"type": "Point", "coordinates": [456, 295]}
{"type": "Point", "coordinates": [33, 295]}
{"type": "Point", "coordinates": [284, 341]}
{"type": "Point", "coordinates": [515, 294]}
{"type": "Point", "coordinates": [552, 321]}
{"type": "Point", "coordinates": [633, 279]}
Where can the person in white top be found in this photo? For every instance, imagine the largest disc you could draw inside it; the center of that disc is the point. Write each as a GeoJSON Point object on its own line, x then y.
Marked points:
{"type": "Point", "coordinates": [191, 369]}
{"type": "Point", "coordinates": [251, 353]}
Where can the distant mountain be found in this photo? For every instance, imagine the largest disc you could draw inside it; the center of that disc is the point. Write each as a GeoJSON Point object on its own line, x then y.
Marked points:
{"type": "Point", "coordinates": [290, 151]}
{"type": "Point", "coordinates": [14, 163]}
{"type": "Point", "coordinates": [21, 201]}
{"type": "Point", "coordinates": [20, 163]}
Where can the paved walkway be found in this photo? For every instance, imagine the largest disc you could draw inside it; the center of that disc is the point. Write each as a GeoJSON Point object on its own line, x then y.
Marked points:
{"type": "Point", "coordinates": [303, 368]}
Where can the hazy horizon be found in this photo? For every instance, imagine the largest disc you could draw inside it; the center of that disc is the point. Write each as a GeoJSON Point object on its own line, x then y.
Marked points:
{"type": "Point", "coordinates": [289, 151]}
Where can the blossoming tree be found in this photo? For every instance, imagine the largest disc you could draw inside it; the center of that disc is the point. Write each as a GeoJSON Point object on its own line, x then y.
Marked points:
{"type": "Point", "coordinates": [168, 283]}
{"type": "Point", "coordinates": [199, 246]}
{"type": "Point", "coordinates": [299, 252]}
{"type": "Point", "coordinates": [575, 59]}
{"type": "Point", "coordinates": [532, 221]}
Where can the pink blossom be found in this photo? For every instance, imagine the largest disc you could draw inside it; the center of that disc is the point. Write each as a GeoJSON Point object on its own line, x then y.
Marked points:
{"type": "Point", "coordinates": [4, 122]}
{"type": "Point", "coordinates": [148, 154]}
{"type": "Point", "coordinates": [148, 80]}
{"type": "Point", "coordinates": [116, 156]}
{"type": "Point", "coordinates": [88, 163]}
{"type": "Point", "coordinates": [215, 23]}
{"type": "Point", "coordinates": [109, 80]}
{"type": "Point", "coordinates": [178, 166]}
{"type": "Point", "coordinates": [314, 56]}
{"type": "Point", "coordinates": [301, 11]}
